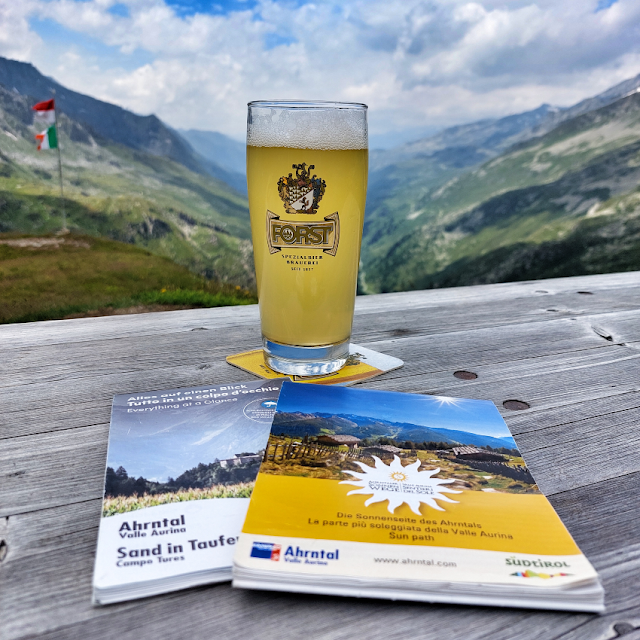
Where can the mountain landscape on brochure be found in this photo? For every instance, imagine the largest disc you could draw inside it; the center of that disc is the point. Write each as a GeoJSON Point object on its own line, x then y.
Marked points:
{"type": "Point", "coordinates": [315, 424]}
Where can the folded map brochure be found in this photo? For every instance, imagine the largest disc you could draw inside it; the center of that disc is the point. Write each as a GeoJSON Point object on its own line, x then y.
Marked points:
{"type": "Point", "coordinates": [405, 496]}
{"type": "Point", "coordinates": [180, 470]}
{"type": "Point", "coordinates": [362, 364]}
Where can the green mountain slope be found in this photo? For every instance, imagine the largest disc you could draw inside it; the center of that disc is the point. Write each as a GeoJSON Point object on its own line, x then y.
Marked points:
{"type": "Point", "coordinates": [110, 122]}
{"type": "Point", "coordinates": [536, 192]}
{"type": "Point", "coordinates": [120, 193]}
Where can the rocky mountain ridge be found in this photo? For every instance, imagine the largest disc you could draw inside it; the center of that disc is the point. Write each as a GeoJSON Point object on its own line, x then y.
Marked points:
{"type": "Point", "coordinates": [432, 223]}
{"type": "Point", "coordinates": [110, 122]}
{"type": "Point", "coordinates": [300, 424]}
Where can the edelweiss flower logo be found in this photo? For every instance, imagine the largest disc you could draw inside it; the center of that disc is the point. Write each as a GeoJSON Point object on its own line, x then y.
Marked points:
{"type": "Point", "coordinates": [399, 484]}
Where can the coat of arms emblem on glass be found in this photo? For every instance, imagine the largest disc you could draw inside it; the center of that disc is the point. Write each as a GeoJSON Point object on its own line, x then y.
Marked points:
{"type": "Point", "coordinates": [307, 165]}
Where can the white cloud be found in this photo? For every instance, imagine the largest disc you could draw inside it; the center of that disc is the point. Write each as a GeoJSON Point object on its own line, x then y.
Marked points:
{"type": "Point", "coordinates": [417, 64]}
{"type": "Point", "coordinates": [16, 39]}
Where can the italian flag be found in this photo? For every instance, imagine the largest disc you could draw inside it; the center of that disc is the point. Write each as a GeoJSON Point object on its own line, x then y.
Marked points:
{"type": "Point", "coordinates": [48, 139]}
{"type": "Point", "coordinates": [45, 112]}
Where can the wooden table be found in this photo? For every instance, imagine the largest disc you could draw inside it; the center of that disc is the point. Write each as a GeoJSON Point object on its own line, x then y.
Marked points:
{"type": "Point", "coordinates": [570, 348]}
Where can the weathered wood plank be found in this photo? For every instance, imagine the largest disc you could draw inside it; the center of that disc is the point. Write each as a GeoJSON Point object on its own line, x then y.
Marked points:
{"type": "Point", "coordinates": [582, 369]}
{"type": "Point", "coordinates": [602, 517]}
{"type": "Point", "coordinates": [51, 363]}
{"type": "Point", "coordinates": [619, 572]}
{"type": "Point", "coordinates": [47, 470]}
{"type": "Point", "coordinates": [19, 336]}
{"type": "Point", "coordinates": [544, 381]}
{"type": "Point", "coordinates": [138, 366]}
{"type": "Point", "coordinates": [612, 627]}
{"type": "Point", "coordinates": [622, 326]}
{"type": "Point", "coordinates": [621, 291]}
{"type": "Point", "coordinates": [36, 359]}
{"type": "Point", "coordinates": [94, 361]}
{"type": "Point", "coordinates": [596, 442]}
{"type": "Point", "coordinates": [130, 353]}
{"type": "Point", "coordinates": [574, 357]}
{"type": "Point", "coordinates": [221, 611]}
{"type": "Point", "coordinates": [28, 461]}
{"type": "Point", "coordinates": [369, 323]}
{"type": "Point", "coordinates": [535, 418]}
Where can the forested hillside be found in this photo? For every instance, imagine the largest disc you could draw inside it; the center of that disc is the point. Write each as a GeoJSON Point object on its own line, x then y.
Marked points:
{"type": "Point", "coordinates": [562, 203]}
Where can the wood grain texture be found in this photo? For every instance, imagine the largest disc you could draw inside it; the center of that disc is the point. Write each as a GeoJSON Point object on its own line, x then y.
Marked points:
{"type": "Point", "coordinates": [26, 461]}
{"type": "Point", "coordinates": [575, 358]}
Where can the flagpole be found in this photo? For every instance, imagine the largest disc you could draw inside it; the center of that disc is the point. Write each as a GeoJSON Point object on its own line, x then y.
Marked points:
{"type": "Point", "coordinates": [58, 137]}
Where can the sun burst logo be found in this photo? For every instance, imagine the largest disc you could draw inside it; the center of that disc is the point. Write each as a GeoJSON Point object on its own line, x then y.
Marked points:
{"type": "Point", "coordinates": [399, 485]}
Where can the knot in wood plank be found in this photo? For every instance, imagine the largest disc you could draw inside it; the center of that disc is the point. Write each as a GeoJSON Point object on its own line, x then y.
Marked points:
{"type": "Point", "coordinates": [603, 333]}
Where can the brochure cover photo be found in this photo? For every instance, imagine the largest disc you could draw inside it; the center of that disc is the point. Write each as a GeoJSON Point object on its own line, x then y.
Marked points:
{"type": "Point", "coordinates": [181, 467]}
{"type": "Point", "coordinates": [384, 485]}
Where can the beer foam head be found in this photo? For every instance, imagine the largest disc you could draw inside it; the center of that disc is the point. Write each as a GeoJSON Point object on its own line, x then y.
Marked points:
{"type": "Point", "coordinates": [308, 125]}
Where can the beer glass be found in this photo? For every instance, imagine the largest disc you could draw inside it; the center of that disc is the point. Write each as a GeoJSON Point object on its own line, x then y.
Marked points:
{"type": "Point", "coordinates": [307, 165]}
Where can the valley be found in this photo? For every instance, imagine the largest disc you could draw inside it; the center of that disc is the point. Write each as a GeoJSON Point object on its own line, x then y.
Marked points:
{"type": "Point", "coordinates": [535, 210]}
{"type": "Point", "coordinates": [545, 193]}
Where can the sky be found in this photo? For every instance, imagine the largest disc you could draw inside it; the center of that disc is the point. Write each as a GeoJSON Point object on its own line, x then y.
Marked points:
{"type": "Point", "coordinates": [437, 412]}
{"type": "Point", "coordinates": [165, 442]}
{"type": "Point", "coordinates": [419, 65]}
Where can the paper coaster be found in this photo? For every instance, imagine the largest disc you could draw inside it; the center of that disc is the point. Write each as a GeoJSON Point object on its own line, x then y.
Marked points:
{"type": "Point", "coordinates": [362, 364]}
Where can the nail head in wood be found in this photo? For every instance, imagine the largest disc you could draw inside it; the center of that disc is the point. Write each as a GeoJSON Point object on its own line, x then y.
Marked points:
{"type": "Point", "coordinates": [516, 405]}
{"type": "Point", "coordinates": [465, 375]}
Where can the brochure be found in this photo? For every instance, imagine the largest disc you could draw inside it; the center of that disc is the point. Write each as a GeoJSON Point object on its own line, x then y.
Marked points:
{"type": "Point", "coordinates": [180, 469]}
{"type": "Point", "coordinates": [396, 495]}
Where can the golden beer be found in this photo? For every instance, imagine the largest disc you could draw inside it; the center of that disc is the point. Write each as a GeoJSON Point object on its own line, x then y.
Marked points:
{"type": "Point", "coordinates": [307, 211]}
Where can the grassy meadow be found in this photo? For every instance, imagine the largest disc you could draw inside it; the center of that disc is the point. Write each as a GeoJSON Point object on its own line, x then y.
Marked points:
{"type": "Point", "coordinates": [48, 277]}
{"type": "Point", "coordinates": [122, 504]}
{"type": "Point", "coordinates": [466, 477]}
